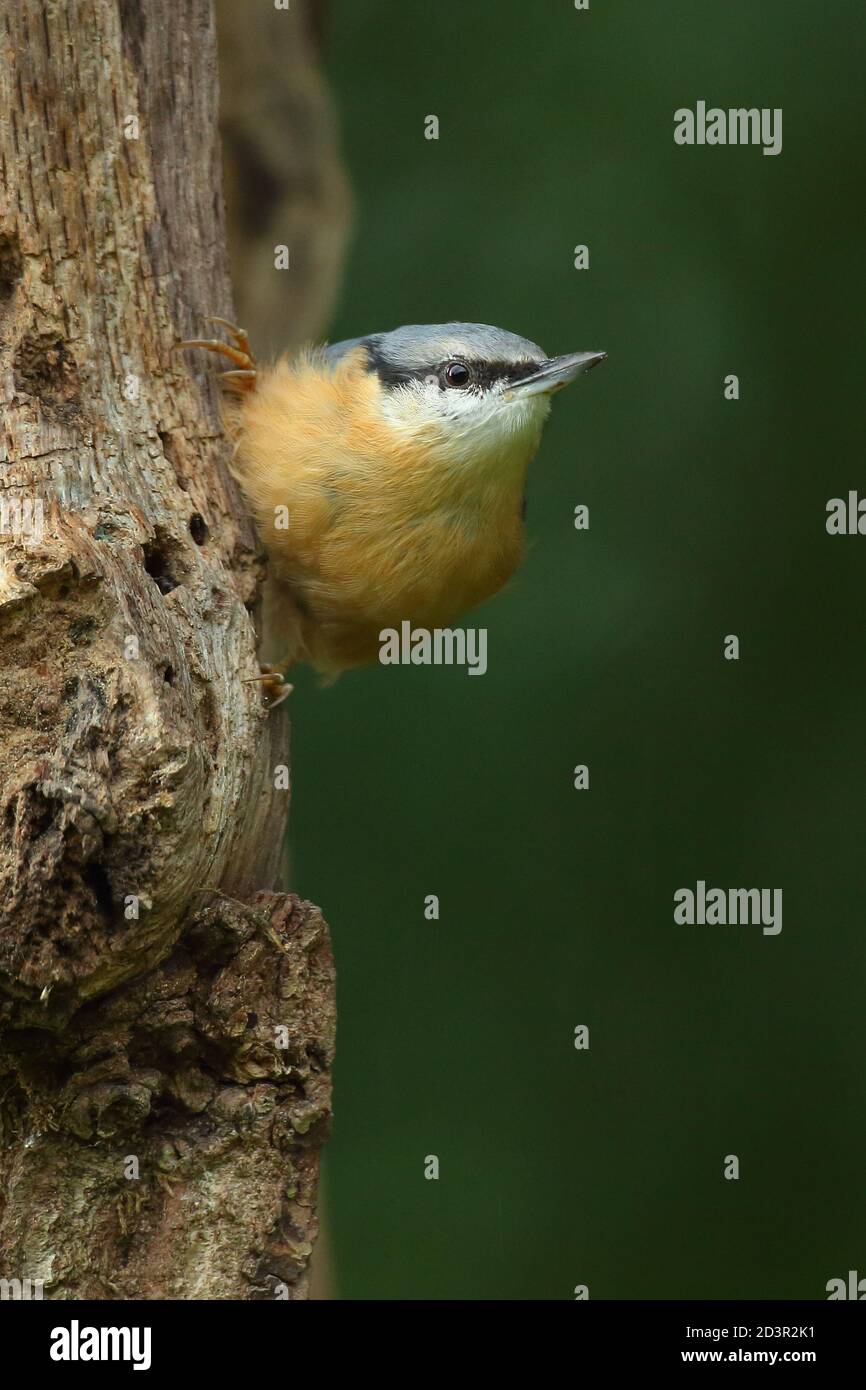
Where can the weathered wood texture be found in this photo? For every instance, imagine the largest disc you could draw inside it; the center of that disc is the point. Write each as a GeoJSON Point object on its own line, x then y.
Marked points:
{"type": "Point", "coordinates": [137, 769]}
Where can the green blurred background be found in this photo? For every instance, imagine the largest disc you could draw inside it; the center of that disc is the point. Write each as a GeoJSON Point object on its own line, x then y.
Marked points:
{"type": "Point", "coordinates": [605, 1167]}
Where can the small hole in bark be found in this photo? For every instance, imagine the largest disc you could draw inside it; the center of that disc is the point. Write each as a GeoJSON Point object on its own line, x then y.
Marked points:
{"type": "Point", "coordinates": [157, 562]}
{"type": "Point", "coordinates": [11, 265]}
{"type": "Point", "coordinates": [252, 1020]}
{"type": "Point", "coordinates": [168, 675]}
{"type": "Point", "coordinates": [97, 880]}
{"type": "Point", "coordinates": [198, 528]}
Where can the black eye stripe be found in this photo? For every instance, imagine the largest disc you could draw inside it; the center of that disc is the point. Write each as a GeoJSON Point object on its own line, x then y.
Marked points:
{"type": "Point", "coordinates": [484, 374]}
{"type": "Point", "coordinates": [487, 373]}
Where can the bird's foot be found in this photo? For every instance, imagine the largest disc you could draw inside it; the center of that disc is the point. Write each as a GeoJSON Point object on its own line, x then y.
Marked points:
{"type": "Point", "coordinates": [274, 684]}
{"type": "Point", "coordinates": [241, 377]}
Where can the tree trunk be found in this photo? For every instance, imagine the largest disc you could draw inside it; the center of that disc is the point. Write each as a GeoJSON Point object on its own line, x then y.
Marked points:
{"type": "Point", "coordinates": [166, 1016]}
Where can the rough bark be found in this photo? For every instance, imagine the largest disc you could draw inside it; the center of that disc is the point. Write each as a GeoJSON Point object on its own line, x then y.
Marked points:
{"type": "Point", "coordinates": [166, 1016]}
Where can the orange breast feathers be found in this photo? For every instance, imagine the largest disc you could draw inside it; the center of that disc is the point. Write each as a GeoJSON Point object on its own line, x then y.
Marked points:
{"type": "Point", "coordinates": [368, 522]}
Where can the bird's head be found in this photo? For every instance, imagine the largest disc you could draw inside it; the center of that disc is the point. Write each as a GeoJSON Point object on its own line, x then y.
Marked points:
{"type": "Point", "coordinates": [480, 392]}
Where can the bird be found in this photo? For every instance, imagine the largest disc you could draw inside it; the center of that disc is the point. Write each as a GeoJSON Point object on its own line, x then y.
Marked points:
{"type": "Point", "coordinates": [386, 475]}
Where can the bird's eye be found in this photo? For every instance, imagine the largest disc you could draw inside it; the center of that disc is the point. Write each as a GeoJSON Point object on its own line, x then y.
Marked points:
{"type": "Point", "coordinates": [457, 374]}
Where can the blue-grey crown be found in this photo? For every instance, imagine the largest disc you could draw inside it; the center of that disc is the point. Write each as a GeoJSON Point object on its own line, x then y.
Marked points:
{"type": "Point", "coordinates": [418, 350]}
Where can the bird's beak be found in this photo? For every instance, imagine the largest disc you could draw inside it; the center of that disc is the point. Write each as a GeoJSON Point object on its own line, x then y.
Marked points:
{"type": "Point", "coordinates": [556, 372]}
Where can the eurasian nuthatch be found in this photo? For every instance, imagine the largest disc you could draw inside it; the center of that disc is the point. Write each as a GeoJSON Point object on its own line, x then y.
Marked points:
{"type": "Point", "coordinates": [387, 474]}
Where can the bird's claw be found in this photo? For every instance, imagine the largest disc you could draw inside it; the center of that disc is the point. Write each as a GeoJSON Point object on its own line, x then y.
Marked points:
{"type": "Point", "coordinates": [242, 377]}
{"type": "Point", "coordinates": [274, 683]}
